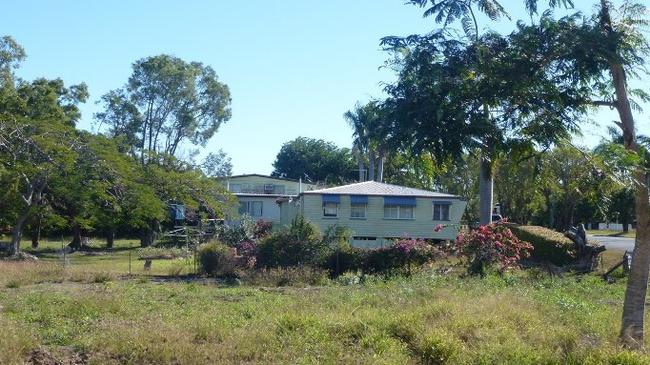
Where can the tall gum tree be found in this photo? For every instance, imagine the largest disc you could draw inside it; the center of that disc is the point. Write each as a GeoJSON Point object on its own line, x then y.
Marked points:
{"type": "Point", "coordinates": [165, 103]}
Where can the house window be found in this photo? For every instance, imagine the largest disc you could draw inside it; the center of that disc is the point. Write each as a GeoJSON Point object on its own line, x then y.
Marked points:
{"type": "Point", "coordinates": [398, 212]}
{"type": "Point", "coordinates": [330, 209]}
{"type": "Point", "coordinates": [251, 208]}
{"type": "Point", "coordinates": [405, 212]}
{"type": "Point", "coordinates": [358, 210]}
{"type": "Point", "coordinates": [440, 212]}
{"type": "Point", "coordinates": [391, 212]}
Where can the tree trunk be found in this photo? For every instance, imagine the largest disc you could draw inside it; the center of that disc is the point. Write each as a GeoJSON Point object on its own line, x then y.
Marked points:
{"type": "Point", "coordinates": [17, 233]}
{"type": "Point", "coordinates": [110, 237]}
{"type": "Point", "coordinates": [380, 166]}
{"type": "Point", "coordinates": [637, 284]}
{"type": "Point", "coordinates": [486, 190]}
{"type": "Point", "coordinates": [362, 174]}
{"type": "Point", "coordinates": [36, 232]}
{"type": "Point", "coordinates": [75, 244]}
{"type": "Point", "coordinates": [146, 237]}
{"type": "Point", "coordinates": [372, 160]}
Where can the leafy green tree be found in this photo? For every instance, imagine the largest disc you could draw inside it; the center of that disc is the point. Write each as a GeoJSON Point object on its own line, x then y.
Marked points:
{"type": "Point", "coordinates": [32, 153]}
{"type": "Point", "coordinates": [415, 171]}
{"type": "Point", "coordinates": [578, 191]}
{"type": "Point", "coordinates": [600, 54]}
{"type": "Point", "coordinates": [618, 168]}
{"type": "Point", "coordinates": [621, 208]}
{"type": "Point", "coordinates": [217, 164]}
{"type": "Point", "coordinates": [11, 54]}
{"type": "Point", "coordinates": [37, 138]}
{"type": "Point", "coordinates": [479, 91]}
{"type": "Point", "coordinates": [517, 187]}
{"type": "Point", "coordinates": [165, 103]}
{"type": "Point", "coordinates": [175, 181]}
{"type": "Point", "coordinates": [314, 160]}
{"type": "Point", "coordinates": [596, 56]}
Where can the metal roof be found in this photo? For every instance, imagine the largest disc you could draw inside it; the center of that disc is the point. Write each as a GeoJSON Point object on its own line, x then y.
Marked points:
{"type": "Point", "coordinates": [382, 189]}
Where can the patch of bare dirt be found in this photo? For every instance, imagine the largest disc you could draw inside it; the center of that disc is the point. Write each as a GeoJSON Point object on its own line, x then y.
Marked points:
{"type": "Point", "coordinates": [64, 356]}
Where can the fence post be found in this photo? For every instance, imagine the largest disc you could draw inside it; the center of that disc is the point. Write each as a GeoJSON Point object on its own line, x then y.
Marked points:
{"type": "Point", "coordinates": [130, 258]}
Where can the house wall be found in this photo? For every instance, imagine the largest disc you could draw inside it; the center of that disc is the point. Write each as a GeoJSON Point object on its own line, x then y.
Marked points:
{"type": "Point", "coordinates": [270, 209]}
{"type": "Point", "coordinates": [255, 184]}
{"type": "Point", "coordinates": [374, 225]}
{"type": "Point", "coordinates": [288, 211]}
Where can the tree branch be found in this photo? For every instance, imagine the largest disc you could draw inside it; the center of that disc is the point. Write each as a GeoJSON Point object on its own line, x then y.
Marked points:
{"type": "Point", "coordinates": [611, 104]}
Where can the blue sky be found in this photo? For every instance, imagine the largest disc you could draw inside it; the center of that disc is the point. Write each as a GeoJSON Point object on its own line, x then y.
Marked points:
{"type": "Point", "coordinates": [293, 66]}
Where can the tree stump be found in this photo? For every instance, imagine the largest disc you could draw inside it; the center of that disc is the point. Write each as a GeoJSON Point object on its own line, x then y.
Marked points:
{"type": "Point", "coordinates": [587, 255]}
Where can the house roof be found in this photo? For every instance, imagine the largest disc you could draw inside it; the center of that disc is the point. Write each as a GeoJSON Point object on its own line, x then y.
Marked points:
{"type": "Point", "coordinates": [266, 176]}
{"type": "Point", "coordinates": [382, 189]}
{"type": "Point", "coordinates": [263, 195]}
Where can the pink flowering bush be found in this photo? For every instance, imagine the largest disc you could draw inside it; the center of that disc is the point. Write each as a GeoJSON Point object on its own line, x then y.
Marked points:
{"type": "Point", "coordinates": [262, 229]}
{"type": "Point", "coordinates": [246, 248]}
{"type": "Point", "coordinates": [492, 245]}
{"type": "Point", "coordinates": [401, 256]}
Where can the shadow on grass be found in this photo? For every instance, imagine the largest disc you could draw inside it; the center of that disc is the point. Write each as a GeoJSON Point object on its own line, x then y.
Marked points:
{"type": "Point", "coordinates": [618, 234]}
{"type": "Point", "coordinates": [88, 249]}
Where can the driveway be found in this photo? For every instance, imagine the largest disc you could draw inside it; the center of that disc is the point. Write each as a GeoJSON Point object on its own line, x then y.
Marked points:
{"type": "Point", "coordinates": [614, 243]}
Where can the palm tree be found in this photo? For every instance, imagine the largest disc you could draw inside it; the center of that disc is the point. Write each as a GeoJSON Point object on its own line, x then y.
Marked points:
{"type": "Point", "coordinates": [368, 142]}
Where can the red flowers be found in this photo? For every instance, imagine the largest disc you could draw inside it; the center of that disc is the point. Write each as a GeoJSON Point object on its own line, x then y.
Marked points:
{"type": "Point", "coordinates": [492, 244]}
{"type": "Point", "coordinates": [439, 228]}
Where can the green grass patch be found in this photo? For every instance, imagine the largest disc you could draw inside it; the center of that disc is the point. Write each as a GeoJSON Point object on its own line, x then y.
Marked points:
{"type": "Point", "coordinates": [520, 318]}
{"type": "Point", "coordinates": [92, 309]}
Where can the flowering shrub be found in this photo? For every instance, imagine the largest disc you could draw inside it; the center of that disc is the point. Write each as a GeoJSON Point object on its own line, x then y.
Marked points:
{"type": "Point", "coordinates": [413, 249]}
{"type": "Point", "coordinates": [246, 248]}
{"type": "Point", "coordinates": [490, 245]}
{"type": "Point", "coordinates": [404, 254]}
{"type": "Point", "coordinates": [262, 229]}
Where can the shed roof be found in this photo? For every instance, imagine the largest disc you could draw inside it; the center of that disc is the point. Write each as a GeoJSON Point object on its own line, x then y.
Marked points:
{"type": "Point", "coordinates": [382, 189]}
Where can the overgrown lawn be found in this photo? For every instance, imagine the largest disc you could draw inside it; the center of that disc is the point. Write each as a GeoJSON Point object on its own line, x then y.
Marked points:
{"type": "Point", "coordinates": [109, 318]}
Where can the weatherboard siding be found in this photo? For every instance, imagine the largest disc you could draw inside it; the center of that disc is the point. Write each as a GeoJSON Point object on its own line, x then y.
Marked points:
{"type": "Point", "coordinates": [374, 225]}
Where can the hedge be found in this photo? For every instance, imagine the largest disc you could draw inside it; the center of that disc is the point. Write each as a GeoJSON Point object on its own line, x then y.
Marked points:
{"type": "Point", "coordinates": [550, 246]}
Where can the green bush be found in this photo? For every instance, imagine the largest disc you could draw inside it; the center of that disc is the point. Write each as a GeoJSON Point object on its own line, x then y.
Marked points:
{"type": "Point", "coordinates": [216, 259]}
{"type": "Point", "coordinates": [300, 244]}
{"type": "Point", "coordinates": [550, 246]}
{"type": "Point", "coordinates": [399, 258]}
{"type": "Point", "coordinates": [232, 234]}
{"type": "Point", "coordinates": [342, 260]}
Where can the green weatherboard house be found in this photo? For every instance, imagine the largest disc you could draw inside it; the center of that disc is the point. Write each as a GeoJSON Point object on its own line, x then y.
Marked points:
{"type": "Point", "coordinates": [378, 213]}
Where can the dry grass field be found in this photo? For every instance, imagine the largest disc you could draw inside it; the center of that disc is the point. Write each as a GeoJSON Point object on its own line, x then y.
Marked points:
{"type": "Point", "coordinates": [93, 312]}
